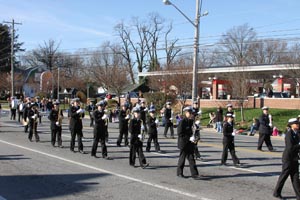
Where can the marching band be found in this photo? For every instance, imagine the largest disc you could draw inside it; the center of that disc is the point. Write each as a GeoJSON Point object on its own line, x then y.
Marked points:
{"type": "Point", "coordinates": [141, 121]}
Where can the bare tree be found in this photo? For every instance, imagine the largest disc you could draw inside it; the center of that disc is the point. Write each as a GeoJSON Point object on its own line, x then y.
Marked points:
{"type": "Point", "coordinates": [170, 48]}
{"type": "Point", "coordinates": [126, 49]}
{"type": "Point", "coordinates": [268, 51]}
{"type": "Point", "coordinates": [236, 44]}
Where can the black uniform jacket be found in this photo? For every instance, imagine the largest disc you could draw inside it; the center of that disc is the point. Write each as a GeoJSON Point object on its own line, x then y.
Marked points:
{"type": "Point", "coordinates": [53, 117]}
{"type": "Point", "coordinates": [135, 130]}
{"type": "Point", "coordinates": [292, 147]}
{"type": "Point", "coordinates": [99, 122]}
{"type": "Point", "coordinates": [227, 131]}
{"type": "Point", "coordinates": [152, 129]}
{"type": "Point", "coordinates": [184, 131]}
{"type": "Point", "coordinates": [143, 113]}
{"type": "Point", "coordinates": [168, 114]}
{"type": "Point", "coordinates": [264, 122]}
{"type": "Point", "coordinates": [76, 118]}
{"type": "Point", "coordinates": [123, 123]}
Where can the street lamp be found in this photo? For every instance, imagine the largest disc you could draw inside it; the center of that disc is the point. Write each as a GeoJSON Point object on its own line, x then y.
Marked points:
{"type": "Point", "coordinates": [196, 41]}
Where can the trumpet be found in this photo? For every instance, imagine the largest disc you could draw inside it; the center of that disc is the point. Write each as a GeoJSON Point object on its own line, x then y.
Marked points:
{"type": "Point", "coordinates": [59, 118]}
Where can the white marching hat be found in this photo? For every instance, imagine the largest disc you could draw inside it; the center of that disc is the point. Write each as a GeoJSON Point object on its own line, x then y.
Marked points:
{"type": "Point", "coordinates": [265, 108]}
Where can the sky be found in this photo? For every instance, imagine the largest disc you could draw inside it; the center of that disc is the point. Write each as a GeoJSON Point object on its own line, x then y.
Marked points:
{"type": "Point", "coordinates": [78, 24]}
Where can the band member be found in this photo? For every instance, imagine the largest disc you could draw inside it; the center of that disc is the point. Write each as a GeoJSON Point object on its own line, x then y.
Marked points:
{"type": "Point", "coordinates": [290, 164]}
{"type": "Point", "coordinates": [124, 117]}
{"type": "Point", "coordinates": [152, 123]}
{"type": "Point", "coordinates": [196, 115]}
{"type": "Point", "coordinates": [228, 141]}
{"type": "Point", "coordinates": [90, 108]}
{"type": "Point", "coordinates": [25, 116]}
{"type": "Point", "coordinates": [143, 110]}
{"type": "Point", "coordinates": [33, 120]}
{"type": "Point", "coordinates": [76, 115]}
{"type": "Point", "coordinates": [13, 108]}
{"type": "Point", "coordinates": [106, 121]}
{"type": "Point", "coordinates": [99, 130]}
{"type": "Point", "coordinates": [56, 117]}
{"type": "Point", "coordinates": [136, 144]}
{"type": "Point", "coordinates": [186, 143]}
{"type": "Point", "coordinates": [39, 107]}
{"type": "Point", "coordinates": [169, 120]}
{"type": "Point", "coordinates": [20, 110]}
{"type": "Point", "coordinates": [265, 129]}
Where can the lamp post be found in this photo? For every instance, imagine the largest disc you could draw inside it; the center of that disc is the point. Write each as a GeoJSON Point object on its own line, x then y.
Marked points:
{"type": "Point", "coordinates": [58, 70]}
{"type": "Point", "coordinates": [196, 42]}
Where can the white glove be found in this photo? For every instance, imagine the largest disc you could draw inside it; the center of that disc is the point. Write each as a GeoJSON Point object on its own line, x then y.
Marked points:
{"type": "Point", "coordinates": [140, 136]}
{"type": "Point", "coordinates": [156, 121]}
{"type": "Point", "coordinates": [79, 111]}
{"type": "Point", "coordinates": [197, 122]}
{"type": "Point", "coordinates": [142, 127]}
{"type": "Point", "coordinates": [192, 139]}
{"type": "Point", "coordinates": [233, 133]}
{"type": "Point", "coordinates": [127, 117]}
{"type": "Point", "coordinates": [57, 123]}
{"type": "Point", "coordinates": [104, 117]}
{"type": "Point", "coordinates": [33, 117]}
{"type": "Point", "coordinates": [146, 109]}
{"type": "Point", "coordinates": [171, 119]}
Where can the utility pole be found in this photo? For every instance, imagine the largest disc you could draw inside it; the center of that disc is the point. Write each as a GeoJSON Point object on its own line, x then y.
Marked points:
{"type": "Point", "coordinates": [12, 56]}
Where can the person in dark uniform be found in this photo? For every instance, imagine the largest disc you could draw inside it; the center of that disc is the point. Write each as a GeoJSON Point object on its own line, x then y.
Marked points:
{"type": "Point", "coordinates": [90, 108]}
{"type": "Point", "coordinates": [265, 130]}
{"type": "Point", "coordinates": [25, 116]}
{"type": "Point", "coordinates": [290, 164]}
{"type": "Point", "coordinates": [196, 115]}
{"type": "Point", "coordinates": [144, 110]}
{"type": "Point", "coordinates": [76, 115]}
{"type": "Point", "coordinates": [39, 107]}
{"type": "Point", "coordinates": [20, 110]}
{"type": "Point", "coordinates": [228, 141]}
{"type": "Point", "coordinates": [106, 121]}
{"type": "Point", "coordinates": [56, 117]}
{"type": "Point", "coordinates": [124, 117]}
{"type": "Point", "coordinates": [99, 130]}
{"type": "Point", "coordinates": [33, 120]}
{"type": "Point", "coordinates": [186, 143]}
{"type": "Point", "coordinates": [13, 108]}
{"type": "Point", "coordinates": [136, 144]}
{"type": "Point", "coordinates": [169, 120]}
{"type": "Point", "coordinates": [152, 123]}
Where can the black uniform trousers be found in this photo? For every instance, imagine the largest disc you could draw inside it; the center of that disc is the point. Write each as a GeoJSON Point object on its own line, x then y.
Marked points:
{"type": "Point", "coordinates": [56, 133]}
{"type": "Point", "coordinates": [74, 133]}
{"type": "Point", "coordinates": [196, 151]}
{"type": "Point", "coordinates": [187, 153]}
{"type": "Point", "coordinates": [91, 119]}
{"type": "Point", "coordinates": [152, 136]}
{"type": "Point", "coordinates": [136, 147]}
{"type": "Point", "coordinates": [229, 144]}
{"type": "Point", "coordinates": [13, 114]}
{"type": "Point", "coordinates": [33, 131]}
{"type": "Point", "coordinates": [167, 125]}
{"type": "Point", "coordinates": [263, 137]}
{"type": "Point", "coordinates": [20, 115]}
{"type": "Point", "coordinates": [123, 132]}
{"type": "Point", "coordinates": [99, 137]}
{"type": "Point", "coordinates": [289, 169]}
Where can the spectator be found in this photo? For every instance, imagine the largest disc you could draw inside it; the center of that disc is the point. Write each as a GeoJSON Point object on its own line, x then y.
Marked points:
{"type": "Point", "coordinates": [219, 120]}
{"type": "Point", "coordinates": [254, 127]}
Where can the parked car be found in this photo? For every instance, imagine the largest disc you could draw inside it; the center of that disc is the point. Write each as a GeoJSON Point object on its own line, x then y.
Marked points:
{"type": "Point", "coordinates": [275, 95]}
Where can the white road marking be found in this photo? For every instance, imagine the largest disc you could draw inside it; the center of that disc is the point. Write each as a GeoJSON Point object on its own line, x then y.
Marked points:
{"type": "Point", "coordinates": [108, 172]}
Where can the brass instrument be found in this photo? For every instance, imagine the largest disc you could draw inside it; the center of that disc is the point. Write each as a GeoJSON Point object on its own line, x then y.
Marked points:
{"type": "Point", "coordinates": [60, 118]}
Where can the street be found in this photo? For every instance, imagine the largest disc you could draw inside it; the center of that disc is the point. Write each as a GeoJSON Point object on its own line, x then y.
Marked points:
{"type": "Point", "coordinates": [31, 170]}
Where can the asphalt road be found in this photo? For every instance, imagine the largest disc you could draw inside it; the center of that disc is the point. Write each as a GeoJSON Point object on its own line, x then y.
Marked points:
{"type": "Point", "coordinates": [31, 170]}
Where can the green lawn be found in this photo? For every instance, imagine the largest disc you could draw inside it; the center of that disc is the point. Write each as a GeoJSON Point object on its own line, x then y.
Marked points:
{"type": "Point", "coordinates": [280, 117]}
